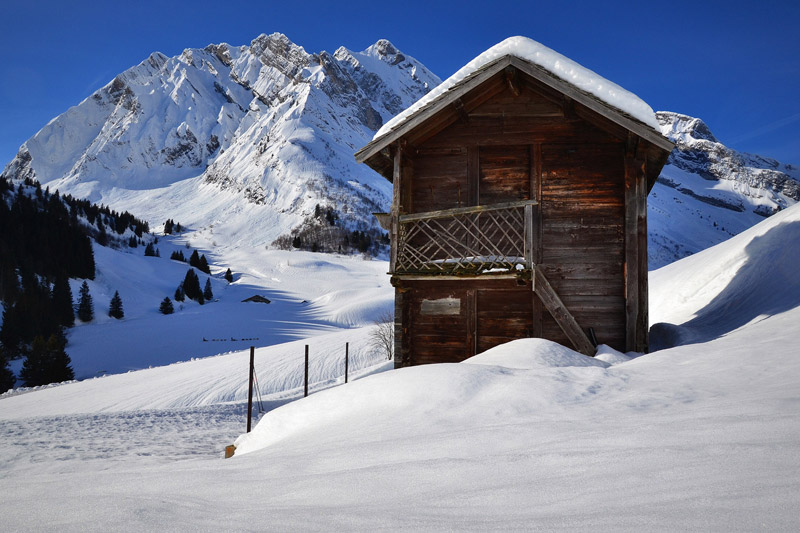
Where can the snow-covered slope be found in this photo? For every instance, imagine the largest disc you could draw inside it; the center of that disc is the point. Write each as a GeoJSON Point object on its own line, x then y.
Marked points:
{"type": "Point", "coordinates": [528, 435]}
{"type": "Point", "coordinates": [743, 280]}
{"type": "Point", "coordinates": [310, 294]}
{"type": "Point", "coordinates": [269, 126]}
{"type": "Point", "coordinates": [708, 192]}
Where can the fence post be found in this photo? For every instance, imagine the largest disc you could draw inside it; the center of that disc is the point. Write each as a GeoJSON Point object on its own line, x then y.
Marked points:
{"type": "Point", "coordinates": [250, 388]}
{"type": "Point", "coordinates": [306, 385]}
{"type": "Point", "coordinates": [346, 359]}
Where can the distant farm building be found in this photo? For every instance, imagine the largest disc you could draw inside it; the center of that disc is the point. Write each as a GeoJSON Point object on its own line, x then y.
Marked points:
{"type": "Point", "coordinates": [519, 208]}
{"type": "Point", "coordinates": [257, 298]}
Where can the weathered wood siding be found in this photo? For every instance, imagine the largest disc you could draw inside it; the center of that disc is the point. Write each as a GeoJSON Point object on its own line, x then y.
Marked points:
{"type": "Point", "coordinates": [498, 146]}
{"type": "Point", "coordinates": [583, 245]}
{"type": "Point", "coordinates": [448, 321]}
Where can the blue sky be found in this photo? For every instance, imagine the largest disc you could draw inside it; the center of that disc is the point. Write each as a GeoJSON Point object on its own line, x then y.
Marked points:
{"type": "Point", "coordinates": [734, 64]}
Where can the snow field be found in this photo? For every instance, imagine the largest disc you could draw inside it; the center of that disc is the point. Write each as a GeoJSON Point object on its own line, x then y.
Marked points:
{"type": "Point", "coordinates": [529, 435]}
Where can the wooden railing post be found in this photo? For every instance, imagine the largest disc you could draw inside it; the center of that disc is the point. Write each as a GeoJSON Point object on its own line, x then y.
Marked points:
{"type": "Point", "coordinates": [528, 236]}
{"type": "Point", "coordinates": [346, 359]}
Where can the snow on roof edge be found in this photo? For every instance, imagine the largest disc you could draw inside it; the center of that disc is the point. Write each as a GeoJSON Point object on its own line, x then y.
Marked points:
{"type": "Point", "coordinates": [557, 64]}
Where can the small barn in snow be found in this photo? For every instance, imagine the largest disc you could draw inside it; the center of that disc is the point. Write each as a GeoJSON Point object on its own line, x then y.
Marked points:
{"type": "Point", "coordinates": [519, 208]}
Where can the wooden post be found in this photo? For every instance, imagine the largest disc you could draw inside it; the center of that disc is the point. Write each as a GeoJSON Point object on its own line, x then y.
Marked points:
{"type": "Point", "coordinates": [643, 318]}
{"type": "Point", "coordinates": [528, 230]}
{"type": "Point", "coordinates": [305, 393]}
{"type": "Point", "coordinates": [536, 233]}
{"type": "Point", "coordinates": [633, 172]}
{"type": "Point", "coordinates": [396, 208]}
{"type": "Point", "coordinates": [399, 320]}
{"type": "Point", "coordinates": [346, 359]}
{"type": "Point", "coordinates": [250, 389]}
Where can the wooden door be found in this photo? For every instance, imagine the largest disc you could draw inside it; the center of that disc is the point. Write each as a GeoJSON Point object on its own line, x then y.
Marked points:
{"type": "Point", "coordinates": [441, 323]}
{"type": "Point", "coordinates": [503, 316]}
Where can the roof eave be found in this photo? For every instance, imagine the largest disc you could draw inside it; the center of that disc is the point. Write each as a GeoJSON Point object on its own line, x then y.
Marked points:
{"type": "Point", "coordinates": [542, 75]}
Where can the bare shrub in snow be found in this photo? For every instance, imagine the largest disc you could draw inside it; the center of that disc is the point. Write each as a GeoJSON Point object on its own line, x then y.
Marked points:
{"type": "Point", "coordinates": [382, 335]}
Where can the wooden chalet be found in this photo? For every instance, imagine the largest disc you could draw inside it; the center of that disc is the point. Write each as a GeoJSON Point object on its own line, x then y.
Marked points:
{"type": "Point", "coordinates": [519, 210]}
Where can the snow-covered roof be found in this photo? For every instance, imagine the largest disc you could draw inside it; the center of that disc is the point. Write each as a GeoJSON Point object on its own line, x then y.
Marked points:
{"type": "Point", "coordinates": [559, 66]}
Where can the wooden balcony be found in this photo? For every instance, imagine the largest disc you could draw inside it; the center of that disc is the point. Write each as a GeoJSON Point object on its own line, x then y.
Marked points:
{"type": "Point", "coordinates": [465, 240]}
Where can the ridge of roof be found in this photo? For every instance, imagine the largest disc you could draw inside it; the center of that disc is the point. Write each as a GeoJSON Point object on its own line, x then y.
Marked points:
{"type": "Point", "coordinates": [589, 87]}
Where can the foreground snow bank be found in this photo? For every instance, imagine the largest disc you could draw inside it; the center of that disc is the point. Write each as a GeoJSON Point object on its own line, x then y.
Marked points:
{"type": "Point", "coordinates": [744, 279]}
{"type": "Point", "coordinates": [419, 399]}
{"type": "Point", "coordinates": [532, 353]}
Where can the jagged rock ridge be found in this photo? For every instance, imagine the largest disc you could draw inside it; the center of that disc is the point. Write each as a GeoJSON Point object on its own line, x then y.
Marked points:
{"type": "Point", "coordinates": [708, 192]}
{"type": "Point", "coordinates": [269, 123]}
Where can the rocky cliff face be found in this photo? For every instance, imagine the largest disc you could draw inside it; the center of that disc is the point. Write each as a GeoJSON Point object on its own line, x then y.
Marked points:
{"type": "Point", "coordinates": [708, 192]}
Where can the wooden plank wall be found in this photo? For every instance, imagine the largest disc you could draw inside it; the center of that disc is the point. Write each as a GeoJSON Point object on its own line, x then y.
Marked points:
{"type": "Point", "coordinates": [583, 244]}
{"type": "Point", "coordinates": [488, 313]}
{"type": "Point", "coordinates": [528, 146]}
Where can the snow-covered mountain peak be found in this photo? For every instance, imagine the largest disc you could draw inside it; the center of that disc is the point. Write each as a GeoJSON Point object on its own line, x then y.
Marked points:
{"type": "Point", "coordinates": [683, 128]}
{"type": "Point", "coordinates": [385, 51]}
{"type": "Point", "coordinates": [708, 192]}
{"type": "Point", "coordinates": [276, 50]}
{"type": "Point", "coordinates": [267, 124]}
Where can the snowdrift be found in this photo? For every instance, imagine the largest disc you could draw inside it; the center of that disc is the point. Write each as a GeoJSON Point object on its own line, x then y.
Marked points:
{"type": "Point", "coordinates": [750, 277]}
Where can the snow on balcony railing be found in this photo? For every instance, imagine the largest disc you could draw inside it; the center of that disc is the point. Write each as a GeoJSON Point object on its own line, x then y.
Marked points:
{"type": "Point", "coordinates": [465, 240]}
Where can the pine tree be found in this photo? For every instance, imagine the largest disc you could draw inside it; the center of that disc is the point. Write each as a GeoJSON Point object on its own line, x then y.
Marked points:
{"type": "Point", "coordinates": [47, 362]}
{"type": "Point", "coordinates": [115, 307]}
{"type": "Point", "coordinates": [102, 235]}
{"type": "Point", "coordinates": [166, 306]}
{"type": "Point", "coordinates": [11, 330]}
{"type": "Point", "coordinates": [62, 301]}
{"type": "Point", "coordinates": [132, 243]}
{"type": "Point", "coordinates": [191, 285]}
{"type": "Point", "coordinates": [168, 226]}
{"type": "Point", "coordinates": [149, 250]}
{"type": "Point", "coordinates": [85, 305]}
{"type": "Point", "coordinates": [194, 259]}
{"type": "Point", "coordinates": [207, 294]}
{"type": "Point", "coordinates": [203, 267]}
{"type": "Point", "coordinates": [179, 294]}
{"type": "Point", "coordinates": [229, 276]}
{"type": "Point", "coordinates": [9, 283]}
{"type": "Point", "coordinates": [7, 378]}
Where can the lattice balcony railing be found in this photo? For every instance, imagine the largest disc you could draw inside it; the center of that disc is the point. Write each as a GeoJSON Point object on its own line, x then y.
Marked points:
{"type": "Point", "coordinates": [465, 240]}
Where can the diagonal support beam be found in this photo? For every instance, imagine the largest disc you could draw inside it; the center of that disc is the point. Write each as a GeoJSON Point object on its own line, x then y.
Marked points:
{"type": "Point", "coordinates": [561, 314]}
